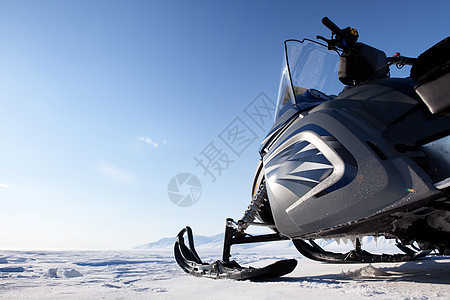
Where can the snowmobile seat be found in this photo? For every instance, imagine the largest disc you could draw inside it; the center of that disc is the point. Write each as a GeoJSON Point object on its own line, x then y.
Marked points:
{"type": "Point", "coordinates": [431, 74]}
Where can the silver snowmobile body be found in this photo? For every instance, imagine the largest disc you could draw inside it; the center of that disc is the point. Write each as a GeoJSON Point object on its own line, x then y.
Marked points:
{"type": "Point", "coordinates": [369, 158]}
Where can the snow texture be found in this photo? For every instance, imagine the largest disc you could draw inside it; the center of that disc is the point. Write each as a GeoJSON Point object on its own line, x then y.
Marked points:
{"type": "Point", "coordinates": [366, 272]}
{"type": "Point", "coordinates": [151, 274]}
{"type": "Point", "coordinates": [62, 273]}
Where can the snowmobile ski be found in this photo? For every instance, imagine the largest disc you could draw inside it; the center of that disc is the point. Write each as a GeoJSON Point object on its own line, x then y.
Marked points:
{"type": "Point", "coordinates": [315, 252]}
{"type": "Point", "coordinates": [190, 262]}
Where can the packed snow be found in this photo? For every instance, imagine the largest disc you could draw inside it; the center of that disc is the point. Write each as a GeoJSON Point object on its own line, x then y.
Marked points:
{"type": "Point", "coordinates": [152, 273]}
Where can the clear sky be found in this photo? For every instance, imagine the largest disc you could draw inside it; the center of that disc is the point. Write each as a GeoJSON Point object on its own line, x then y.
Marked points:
{"type": "Point", "coordinates": [102, 103]}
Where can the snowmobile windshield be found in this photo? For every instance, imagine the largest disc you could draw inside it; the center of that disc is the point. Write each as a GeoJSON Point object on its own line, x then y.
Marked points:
{"type": "Point", "coordinates": [307, 65]}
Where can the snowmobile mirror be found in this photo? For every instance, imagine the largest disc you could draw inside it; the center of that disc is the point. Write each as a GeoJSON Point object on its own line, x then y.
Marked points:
{"type": "Point", "coordinates": [362, 63]}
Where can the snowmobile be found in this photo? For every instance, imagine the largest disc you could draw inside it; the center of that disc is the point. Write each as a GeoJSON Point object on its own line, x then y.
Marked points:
{"type": "Point", "coordinates": [352, 153]}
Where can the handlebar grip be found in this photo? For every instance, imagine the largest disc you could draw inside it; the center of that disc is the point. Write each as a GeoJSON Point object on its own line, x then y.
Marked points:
{"type": "Point", "coordinates": [402, 60]}
{"type": "Point", "coordinates": [409, 60]}
{"type": "Point", "coordinates": [333, 27]}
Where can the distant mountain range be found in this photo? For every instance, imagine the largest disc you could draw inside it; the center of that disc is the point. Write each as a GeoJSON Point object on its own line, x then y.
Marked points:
{"type": "Point", "coordinates": [167, 243]}
{"type": "Point", "coordinates": [215, 242]}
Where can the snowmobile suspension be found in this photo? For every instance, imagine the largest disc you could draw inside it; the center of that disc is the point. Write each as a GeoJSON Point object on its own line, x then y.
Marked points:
{"type": "Point", "coordinates": [235, 232]}
{"type": "Point", "coordinates": [254, 207]}
{"type": "Point", "coordinates": [234, 236]}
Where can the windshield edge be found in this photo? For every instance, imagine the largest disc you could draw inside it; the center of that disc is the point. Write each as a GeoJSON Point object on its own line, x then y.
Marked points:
{"type": "Point", "coordinates": [287, 59]}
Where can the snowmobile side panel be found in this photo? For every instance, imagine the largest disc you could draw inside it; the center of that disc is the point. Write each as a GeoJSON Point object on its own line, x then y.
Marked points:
{"type": "Point", "coordinates": [381, 180]}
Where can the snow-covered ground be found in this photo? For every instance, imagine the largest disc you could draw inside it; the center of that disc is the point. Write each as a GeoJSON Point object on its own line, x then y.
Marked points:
{"type": "Point", "coordinates": [153, 274]}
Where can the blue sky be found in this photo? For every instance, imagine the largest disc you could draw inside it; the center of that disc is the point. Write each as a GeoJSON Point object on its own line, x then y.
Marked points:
{"type": "Point", "coordinates": [103, 102]}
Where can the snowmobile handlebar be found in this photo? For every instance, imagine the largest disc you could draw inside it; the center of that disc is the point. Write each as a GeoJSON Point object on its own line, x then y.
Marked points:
{"type": "Point", "coordinates": [333, 27]}
{"type": "Point", "coordinates": [342, 39]}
